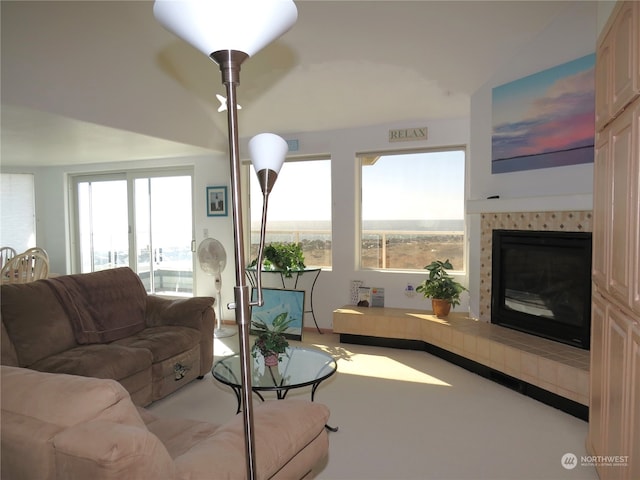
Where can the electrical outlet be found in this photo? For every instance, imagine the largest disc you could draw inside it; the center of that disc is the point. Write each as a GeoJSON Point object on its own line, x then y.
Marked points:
{"type": "Point", "coordinates": [205, 232]}
{"type": "Point", "coordinates": [410, 290]}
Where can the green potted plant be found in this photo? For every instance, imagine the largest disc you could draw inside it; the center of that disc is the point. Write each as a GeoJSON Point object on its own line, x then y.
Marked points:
{"type": "Point", "coordinates": [270, 341]}
{"type": "Point", "coordinates": [441, 287]}
{"type": "Point", "coordinates": [282, 256]}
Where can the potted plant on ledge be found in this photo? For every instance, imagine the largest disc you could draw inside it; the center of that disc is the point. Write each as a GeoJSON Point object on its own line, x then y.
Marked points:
{"type": "Point", "coordinates": [270, 341]}
{"type": "Point", "coordinates": [282, 256]}
{"type": "Point", "coordinates": [441, 287]}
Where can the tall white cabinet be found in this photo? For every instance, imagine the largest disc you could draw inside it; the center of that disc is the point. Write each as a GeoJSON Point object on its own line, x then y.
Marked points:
{"type": "Point", "coordinates": [614, 423]}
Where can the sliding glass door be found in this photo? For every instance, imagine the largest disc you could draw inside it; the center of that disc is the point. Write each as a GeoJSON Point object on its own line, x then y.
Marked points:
{"type": "Point", "coordinates": [142, 220]}
{"type": "Point", "coordinates": [103, 225]}
{"type": "Point", "coordinates": [164, 233]}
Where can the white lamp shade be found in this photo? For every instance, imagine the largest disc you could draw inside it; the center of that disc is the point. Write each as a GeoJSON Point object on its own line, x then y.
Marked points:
{"type": "Point", "coordinates": [213, 25]}
{"type": "Point", "coordinates": [267, 152]}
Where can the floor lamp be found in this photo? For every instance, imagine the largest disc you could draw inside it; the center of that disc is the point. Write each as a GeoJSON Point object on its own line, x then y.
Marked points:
{"type": "Point", "coordinates": [230, 31]}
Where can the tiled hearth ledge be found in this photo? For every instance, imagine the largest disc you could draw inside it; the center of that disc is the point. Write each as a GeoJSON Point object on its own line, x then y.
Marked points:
{"type": "Point", "coordinates": [551, 366]}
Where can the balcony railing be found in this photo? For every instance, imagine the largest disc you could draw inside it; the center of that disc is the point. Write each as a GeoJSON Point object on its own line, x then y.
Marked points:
{"type": "Point", "coordinates": [380, 249]}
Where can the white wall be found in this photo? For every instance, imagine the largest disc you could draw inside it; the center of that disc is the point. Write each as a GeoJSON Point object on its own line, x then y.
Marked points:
{"type": "Point", "coordinates": [572, 35]}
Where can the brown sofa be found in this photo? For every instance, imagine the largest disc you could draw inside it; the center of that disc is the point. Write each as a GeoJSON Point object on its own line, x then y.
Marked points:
{"type": "Point", "coordinates": [57, 426]}
{"type": "Point", "coordinates": [104, 325]}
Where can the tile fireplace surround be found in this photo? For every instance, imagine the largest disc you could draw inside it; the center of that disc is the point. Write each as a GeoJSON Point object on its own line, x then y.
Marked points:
{"type": "Point", "coordinates": [554, 367]}
{"type": "Point", "coordinates": [574, 221]}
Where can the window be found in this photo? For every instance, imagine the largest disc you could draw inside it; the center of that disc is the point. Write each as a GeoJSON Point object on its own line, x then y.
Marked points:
{"type": "Point", "coordinates": [412, 209]}
{"type": "Point", "coordinates": [299, 209]}
{"type": "Point", "coordinates": [142, 220]}
{"type": "Point", "coordinates": [18, 218]}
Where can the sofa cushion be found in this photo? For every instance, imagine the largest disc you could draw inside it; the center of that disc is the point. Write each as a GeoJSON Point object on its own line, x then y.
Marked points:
{"type": "Point", "coordinates": [37, 324]}
{"type": "Point", "coordinates": [163, 342]}
{"type": "Point", "coordinates": [115, 452]}
{"type": "Point", "coordinates": [102, 306]}
{"type": "Point", "coordinates": [8, 354]}
{"type": "Point", "coordinates": [178, 435]}
{"type": "Point", "coordinates": [101, 361]}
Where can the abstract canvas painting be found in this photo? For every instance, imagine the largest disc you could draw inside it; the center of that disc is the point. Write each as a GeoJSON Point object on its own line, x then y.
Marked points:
{"type": "Point", "coordinates": [546, 119]}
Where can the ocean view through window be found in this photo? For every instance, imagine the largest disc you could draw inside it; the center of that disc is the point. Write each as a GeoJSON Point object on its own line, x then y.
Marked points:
{"type": "Point", "coordinates": [299, 210]}
{"type": "Point", "coordinates": [412, 209]}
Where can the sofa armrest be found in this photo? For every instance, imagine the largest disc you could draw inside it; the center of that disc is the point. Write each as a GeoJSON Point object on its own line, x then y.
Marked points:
{"type": "Point", "coordinates": [65, 400]}
{"type": "Point", "coordinates": [102, 450]}
{"type": "Point", "coordinates": [193, 312]}
{"type": "Point", "coordinates": [184, 312]}
{"type": "Point", "coordinates": [26, 449]}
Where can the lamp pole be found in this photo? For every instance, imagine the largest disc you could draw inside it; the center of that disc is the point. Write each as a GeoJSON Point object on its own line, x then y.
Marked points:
{"type": "Point", "coordinates": [230, 62]}
{"type": "Point", "coordinates": [233, 34]}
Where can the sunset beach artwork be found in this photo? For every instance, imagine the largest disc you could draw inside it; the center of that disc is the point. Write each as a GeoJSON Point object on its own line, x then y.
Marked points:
{"type": "Point", "coordinates": [546, 119]}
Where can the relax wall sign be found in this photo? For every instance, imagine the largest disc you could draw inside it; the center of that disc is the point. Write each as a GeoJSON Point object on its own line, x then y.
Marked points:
{"type": "Point", "coordinates": [408, 134]}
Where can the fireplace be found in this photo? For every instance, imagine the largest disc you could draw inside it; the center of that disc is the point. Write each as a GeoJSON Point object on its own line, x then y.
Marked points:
{"type": "Point", "coordinates": [541, 284]}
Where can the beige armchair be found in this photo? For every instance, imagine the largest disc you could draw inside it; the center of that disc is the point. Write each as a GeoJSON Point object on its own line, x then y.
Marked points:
{"type": "Point", "coordinates": [64, 426]}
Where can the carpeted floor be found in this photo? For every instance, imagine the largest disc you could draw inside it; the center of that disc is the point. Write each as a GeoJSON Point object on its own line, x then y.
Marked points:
{"type": "Point", "coordinates": [409, 415]}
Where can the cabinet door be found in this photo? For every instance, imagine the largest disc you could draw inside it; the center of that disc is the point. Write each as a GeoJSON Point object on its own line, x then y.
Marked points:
{"type": "Point", "coordinates": [634, 216]}
{"type": "Point", "coordinates": [634, 404]}
{"type": "Point", "coordinates": [597, 386]}
{"type": "Point", "coordinates": [624, 57]}
{"type": "Point", "coordinates": [603, 80]}
{"type": "Point", "coordinates": [635, 42]}
{"type": "Point", "coordinates": [621, 226]}
{"type": "Point", "coordinates": [617, 327]}
{"type": "Point", "coordinates": [602, 206]}
{"type": "Point", "coordinates": [618, 63]}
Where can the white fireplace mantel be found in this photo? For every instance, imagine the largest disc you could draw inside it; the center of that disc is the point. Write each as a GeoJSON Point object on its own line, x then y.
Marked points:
{"type": "Point", "coordinates": [552, 203]}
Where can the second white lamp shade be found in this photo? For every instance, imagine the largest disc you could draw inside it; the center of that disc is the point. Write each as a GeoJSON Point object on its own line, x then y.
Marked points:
{"type": "Point", "coordinates": [267, 152]}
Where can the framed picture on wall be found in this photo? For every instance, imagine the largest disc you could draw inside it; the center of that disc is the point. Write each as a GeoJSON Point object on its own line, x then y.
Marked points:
{"type": "Point", "coordinates": [546, 119]}
{"type": "Point", "coordinates": [217, 202]}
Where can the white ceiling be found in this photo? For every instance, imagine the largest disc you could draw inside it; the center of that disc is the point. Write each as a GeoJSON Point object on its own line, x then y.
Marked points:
{"type": "Point", "coordinates": [101, 81]}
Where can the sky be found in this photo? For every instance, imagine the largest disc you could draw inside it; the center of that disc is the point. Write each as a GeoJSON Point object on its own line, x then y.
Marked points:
{"type": "Point", "coordinates": [414, 186]}
{"type": "Point", "coordinates": [402, 187]}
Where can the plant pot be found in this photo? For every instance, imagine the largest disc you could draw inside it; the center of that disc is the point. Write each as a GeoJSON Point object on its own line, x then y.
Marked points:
{"type": "Point", "coordinates": [271, 359]}
{"type": "Point", "coordinates": [441, 308]}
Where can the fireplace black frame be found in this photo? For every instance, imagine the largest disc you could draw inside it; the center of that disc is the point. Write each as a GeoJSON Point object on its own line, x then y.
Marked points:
{"type": "Point", "coordinates": [579, 243]}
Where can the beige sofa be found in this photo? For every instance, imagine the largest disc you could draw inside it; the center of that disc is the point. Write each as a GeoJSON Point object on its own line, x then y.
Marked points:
{"type": "Point", "coordinates": [57, 426]}
{"type": "Point", "coordinates": [104, 325]}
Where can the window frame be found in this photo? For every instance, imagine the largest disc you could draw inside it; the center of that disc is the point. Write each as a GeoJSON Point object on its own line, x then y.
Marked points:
{"type": "Point", "coordinates": [130, 176]}
{"type": "Point", "coordinates": [359, 156]}
{"type": "Point", "coordinates": [249, 176]}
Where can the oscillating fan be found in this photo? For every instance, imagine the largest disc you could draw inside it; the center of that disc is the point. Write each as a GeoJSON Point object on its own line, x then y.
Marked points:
{"type": "Point", "coordinates": [213, 259]}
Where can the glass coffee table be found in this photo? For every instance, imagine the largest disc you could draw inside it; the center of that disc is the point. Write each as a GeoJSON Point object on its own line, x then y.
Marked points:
{"type": "Point", "coordinates": [299, 367]}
